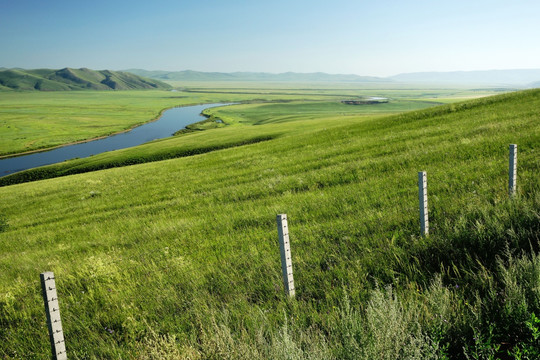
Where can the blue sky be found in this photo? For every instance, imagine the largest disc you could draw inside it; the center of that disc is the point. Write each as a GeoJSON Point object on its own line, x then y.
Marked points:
{"type": "Point", "coordinates": [378, 38]}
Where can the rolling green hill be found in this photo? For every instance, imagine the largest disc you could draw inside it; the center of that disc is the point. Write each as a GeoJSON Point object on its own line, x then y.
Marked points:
{"type": "Point", "coordinates": [179, 259]}
{"type": "Point", "coordinates": [74, 79]}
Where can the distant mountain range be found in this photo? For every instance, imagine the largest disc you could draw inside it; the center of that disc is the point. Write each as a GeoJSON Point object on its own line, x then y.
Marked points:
{"type": "Point", "coordinates": [189, 75]}
{"type": "Point", "coordinates": [521, 78]}
{"type": "Point", "coordinates": [74, 79]}
{"type": "Point", "coordinates": [86, 79]}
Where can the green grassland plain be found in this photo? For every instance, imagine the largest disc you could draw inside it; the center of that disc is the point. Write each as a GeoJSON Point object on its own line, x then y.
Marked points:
{"type": "Point", "coordinates": [38, 120]}
{"type": "Point", "coordinates": [179, 258]}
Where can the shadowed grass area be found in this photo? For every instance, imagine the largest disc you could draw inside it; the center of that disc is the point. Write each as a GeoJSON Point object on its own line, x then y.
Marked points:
{"type": "Point", "coordinates": [179, 258]}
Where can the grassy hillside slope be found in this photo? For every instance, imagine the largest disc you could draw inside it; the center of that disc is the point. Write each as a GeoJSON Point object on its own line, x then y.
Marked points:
{"type": "Point", "coordinates": [75, 79]}
{"type": "Point", "coordinates": [179, 258]}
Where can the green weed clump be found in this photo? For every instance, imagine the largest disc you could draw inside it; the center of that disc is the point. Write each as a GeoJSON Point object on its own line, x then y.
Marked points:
{"type": "Point", "coordinates": [387, 329]}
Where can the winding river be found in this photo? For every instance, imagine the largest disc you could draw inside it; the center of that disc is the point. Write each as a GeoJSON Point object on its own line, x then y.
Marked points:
{"type": "Point", "coordinates": [171, 121]}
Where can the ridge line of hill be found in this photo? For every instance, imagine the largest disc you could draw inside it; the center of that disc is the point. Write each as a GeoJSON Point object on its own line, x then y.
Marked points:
{"type": "Point", "coordinates": [75, 79]}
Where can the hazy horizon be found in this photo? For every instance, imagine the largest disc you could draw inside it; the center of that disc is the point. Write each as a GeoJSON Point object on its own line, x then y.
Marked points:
{"type": "Point", "coordinates": [266, 72]}
{"type": "Point", "coordinates": [382, 39]}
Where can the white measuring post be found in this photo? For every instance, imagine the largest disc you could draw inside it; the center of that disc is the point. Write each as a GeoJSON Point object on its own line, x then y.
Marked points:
{"type": "Point", "coordinates": [50, 297]}
{"type": "Point", "coordinates": [422, 197]}
{"type": "Point", "coordinates": [512, 170]}
{"type": "Point", "coordinates": [285, 250]}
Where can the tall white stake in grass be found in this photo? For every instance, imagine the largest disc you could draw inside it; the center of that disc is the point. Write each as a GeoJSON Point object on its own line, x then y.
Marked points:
{"type": "Point", "coordinates": [512, 170]}
{"type": "Point", "coordinates": [285, 249]}
{"type": "Point", "coordinates": [50, 297]}
{"type": "Point", "coordinates": [422, 197]}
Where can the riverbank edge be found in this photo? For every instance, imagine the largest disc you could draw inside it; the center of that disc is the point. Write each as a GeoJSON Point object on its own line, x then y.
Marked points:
{"type": "Point", "coordinates": [160, 114]}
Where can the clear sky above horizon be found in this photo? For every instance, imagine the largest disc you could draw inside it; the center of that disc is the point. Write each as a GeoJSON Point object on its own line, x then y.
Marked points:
{"type": "Point", "coordinates": [377, 38]}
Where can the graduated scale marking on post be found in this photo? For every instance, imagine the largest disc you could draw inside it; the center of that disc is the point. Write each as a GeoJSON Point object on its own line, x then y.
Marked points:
{"type": "Point", "coordinates": [512, 170]}
{"type": "Point", "coordinates": [423, 203]}
{"type": "Point", "coordinates": [285, 250]}
{"type": "Point", "coordinates": [52, 310]}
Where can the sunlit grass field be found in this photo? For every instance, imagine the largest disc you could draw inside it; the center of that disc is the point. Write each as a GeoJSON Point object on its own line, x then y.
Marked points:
{"type": "Point", "coordinates": [179, 258]}
{"type": "Point", "coordinates": [38, 120]}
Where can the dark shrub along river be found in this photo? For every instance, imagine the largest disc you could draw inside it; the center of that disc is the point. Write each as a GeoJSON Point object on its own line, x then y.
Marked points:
{"type": "Point", "coordinates": [171, 121]}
